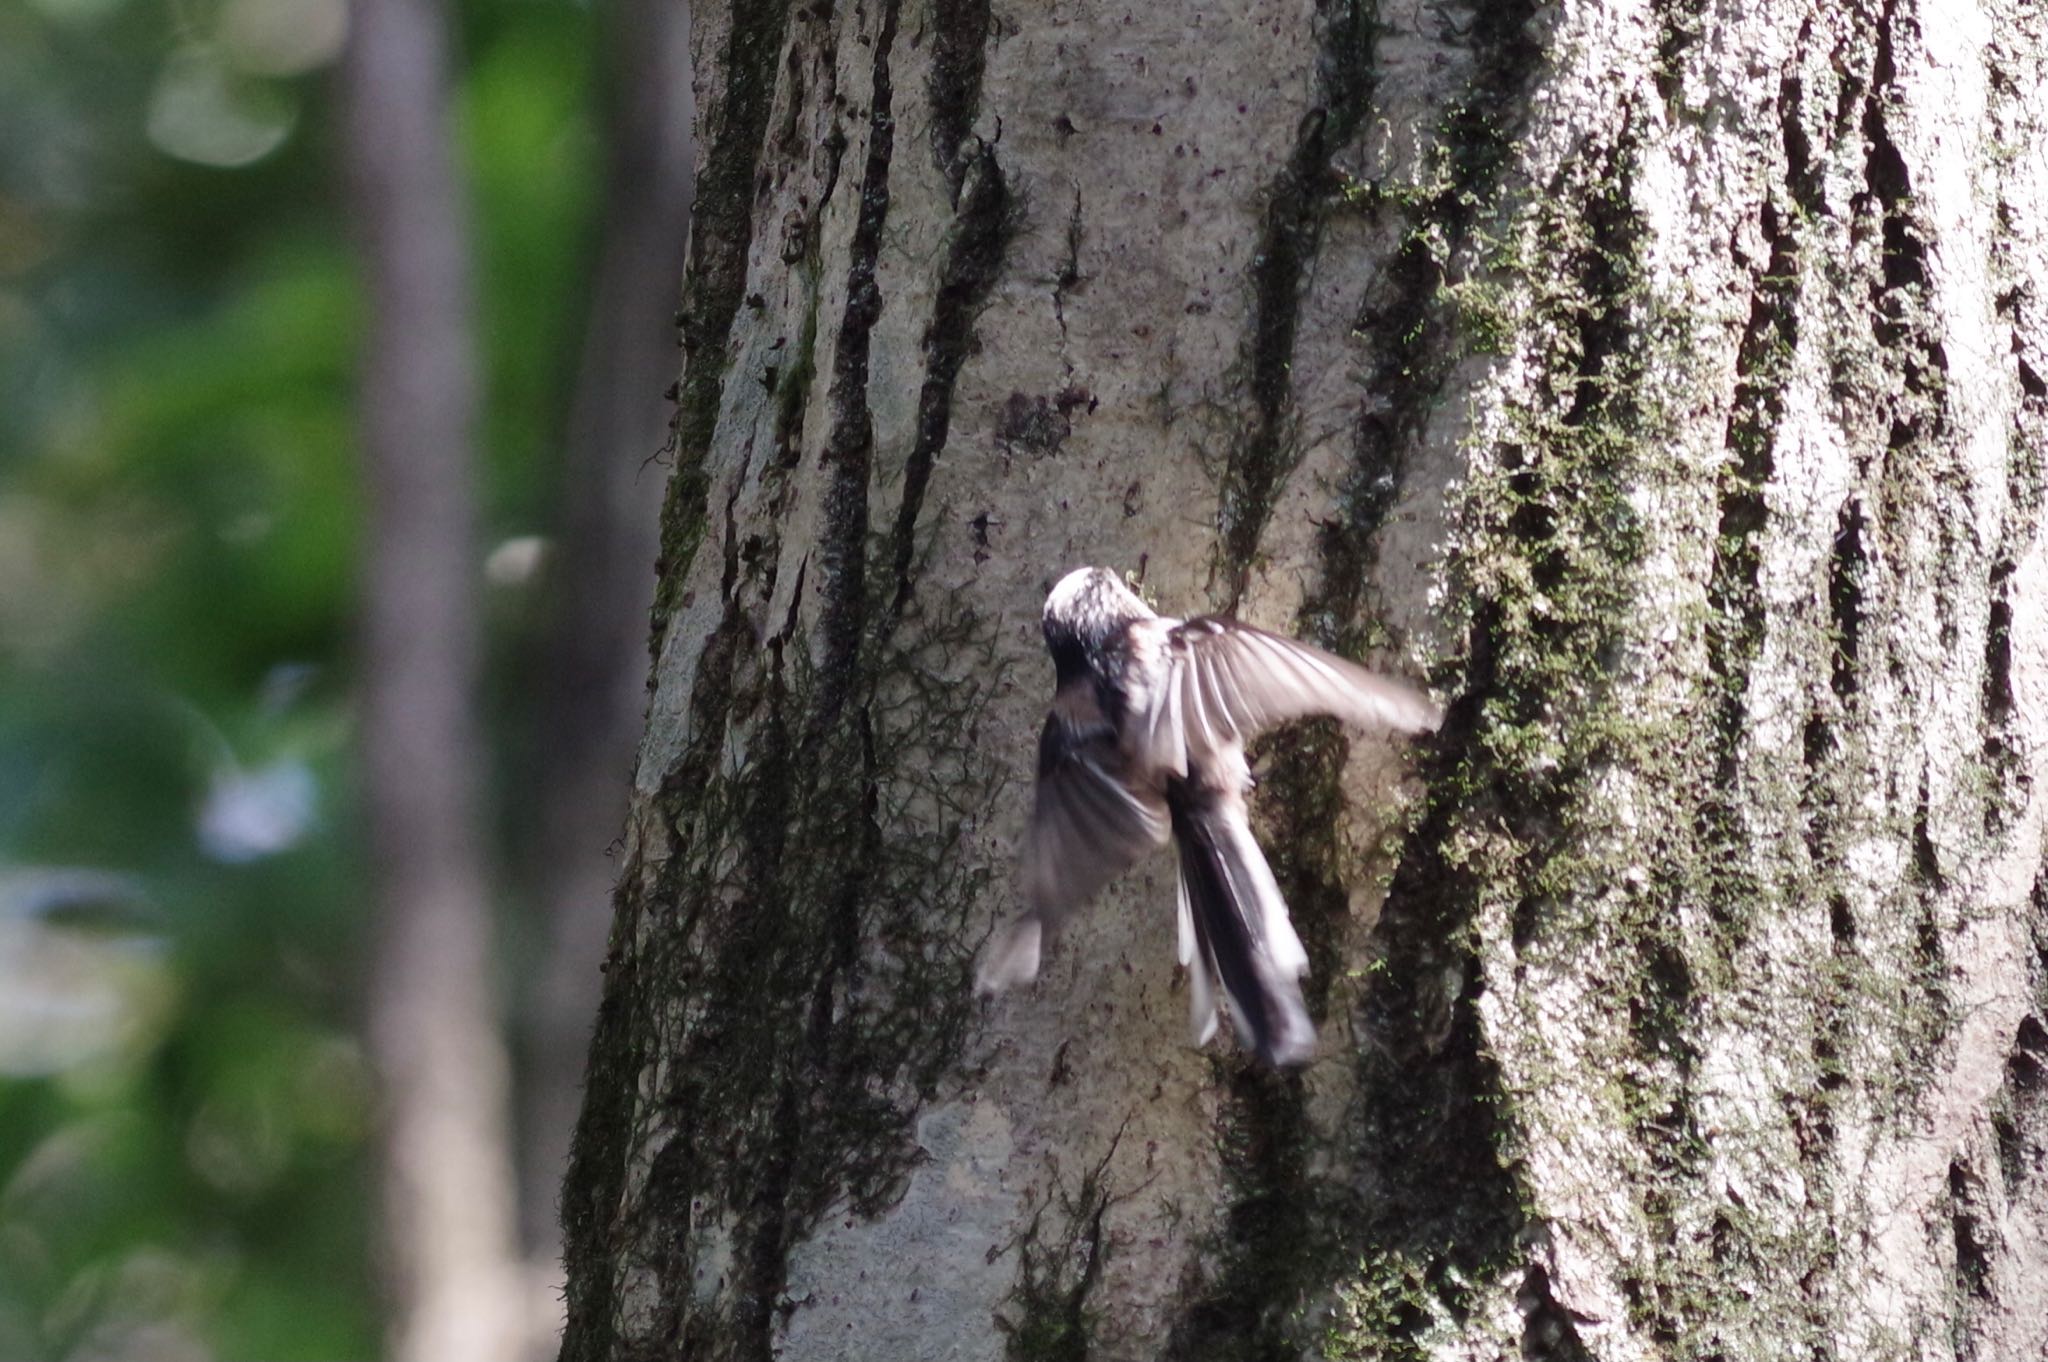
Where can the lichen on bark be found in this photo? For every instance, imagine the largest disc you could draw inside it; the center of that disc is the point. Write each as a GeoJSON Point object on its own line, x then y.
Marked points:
{"type": "Point", "coordinates": [1665, 380]}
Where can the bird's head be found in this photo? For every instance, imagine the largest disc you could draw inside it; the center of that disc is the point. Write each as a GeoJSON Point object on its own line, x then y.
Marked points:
{"type": "Point", "coordinates": [1083, 612]}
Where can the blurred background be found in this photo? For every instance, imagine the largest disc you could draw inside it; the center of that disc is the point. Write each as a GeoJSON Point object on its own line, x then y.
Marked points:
{"type": "Point", "coordinates": [334, 337]}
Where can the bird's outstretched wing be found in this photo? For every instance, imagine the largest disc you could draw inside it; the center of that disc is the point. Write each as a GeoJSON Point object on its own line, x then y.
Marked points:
{"type": "Point", "coordinates": [1088, 825]}
{"type": "Point", "coordinates": [1226, 681]}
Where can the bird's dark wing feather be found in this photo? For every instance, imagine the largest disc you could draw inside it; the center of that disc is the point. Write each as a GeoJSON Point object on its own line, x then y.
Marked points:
{"type": "Point", "coordinates": [1087, 823]}
{"type": "Point", "coordinates": [1227, 682]}
{"type": "Point", "coordinates": [1235, 928]}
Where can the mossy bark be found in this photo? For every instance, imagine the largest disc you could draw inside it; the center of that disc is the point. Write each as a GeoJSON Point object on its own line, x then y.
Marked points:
{"type": "Point", "coordinates": [1663, 383]}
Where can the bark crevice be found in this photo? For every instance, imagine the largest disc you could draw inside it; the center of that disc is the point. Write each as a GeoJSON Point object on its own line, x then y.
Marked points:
{"type": "Point", "coordinates": [721, 231]}
{"type": "Point", "coordinates": [960, 36]}
{"type": "Point", "coordinates": [1672, 534]}
{"type": "Point", "coordinates": [1426, 1088]}
{"type": "Point", "coordinates": [983, 224]}
{"type": "Point", "coordinates": [1761, 362]}
{"type": "Point", "coordinates": [849, 453]}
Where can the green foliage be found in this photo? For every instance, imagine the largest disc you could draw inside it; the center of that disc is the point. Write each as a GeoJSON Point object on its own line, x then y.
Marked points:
{"type": "Point", "coordinates": [183, 1106]}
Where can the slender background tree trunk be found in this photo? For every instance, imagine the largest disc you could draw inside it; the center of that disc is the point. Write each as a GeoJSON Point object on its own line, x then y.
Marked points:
{"type": "Point", "coordinates": [1663, 381]}
{"type": "Point", "coordinates": [449, 1227]}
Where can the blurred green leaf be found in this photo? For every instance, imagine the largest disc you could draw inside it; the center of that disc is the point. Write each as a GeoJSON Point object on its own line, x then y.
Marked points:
{"type": "Point", "coordinates": [179, 524]}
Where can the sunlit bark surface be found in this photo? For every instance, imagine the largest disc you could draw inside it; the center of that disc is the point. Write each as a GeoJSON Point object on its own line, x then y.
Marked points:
{"type": "Point", "coordinates": [1662, 382]}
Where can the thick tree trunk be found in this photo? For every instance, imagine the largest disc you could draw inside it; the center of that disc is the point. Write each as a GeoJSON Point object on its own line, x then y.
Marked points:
{"type": "Point", "coordinates": [1664, 378]}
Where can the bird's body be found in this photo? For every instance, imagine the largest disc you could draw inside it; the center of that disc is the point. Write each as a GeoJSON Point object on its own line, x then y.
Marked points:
{"type": "Point", "coordinates": [1145, 741]}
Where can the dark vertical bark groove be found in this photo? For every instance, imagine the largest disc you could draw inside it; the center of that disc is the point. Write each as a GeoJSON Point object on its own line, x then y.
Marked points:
{"type": "Point", "coordinates": [1856, 587]}
{"type": "Point", "coordinates": [768, 1162]}
{"type": "Point", "coordinates": [1680, 26]}
{"type": "Point", "coordinates": [959, 56]}
{"type": "Point", "coordinates": [982, 225]}
{"type": "Point", "coordinates": [790, 382]}
{"type": "Point", "coordinates": [1904, 333]}
{"type": "Point", "coordinates": [1285, 1228]}
{"type": "Point", "coordinates": [1606, 830]}
{"type": "Point", "coordinates": [2001, 756]}
{"type": "Point", "coordinates": [720, 233]}
{"type": "Point", "coordinates": [1287, 246]}
{"type": "Point", "coordinates": [850, 447]}
{"type": "Point", "coordinates": [1406, 322]}
{"type": "Point", "coordinates": [1297, 203]}
{"type": "Point", "coordinates": [1769, 339]}
{"type": "Point", "coordinates": [1845, 601]}
{"type": "Point", "coordinates": [974, 260]}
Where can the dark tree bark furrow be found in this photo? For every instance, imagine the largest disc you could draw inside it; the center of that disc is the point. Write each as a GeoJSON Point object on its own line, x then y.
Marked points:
{"type": "Point", "coordinates": [1667, 380]}
{"type": "Point", "coordinates": [959, 55]}
{"type": "Point", "coordinates": [1297, 202]}
{"type": "Point", "coordinates": [768, 857]}
{"type": "Point", "coordinates": [1284, 1224]}
{"type": "Point", "coordinates": [982, 225]}
{"type": "Point", "coordinates": [1771, 336]}
{"type": "Point", "coordinates": [849, 452]}
{"type": "Point", "coordinates": [733, 125]}
{"type": "Point", "coordinates": [974, 259]}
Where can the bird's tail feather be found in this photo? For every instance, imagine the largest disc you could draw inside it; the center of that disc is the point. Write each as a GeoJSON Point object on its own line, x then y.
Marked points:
{"type": "Point", "coordinates": [1201, 997]}
{"type": "Point", "coordinates": [1234, 928]}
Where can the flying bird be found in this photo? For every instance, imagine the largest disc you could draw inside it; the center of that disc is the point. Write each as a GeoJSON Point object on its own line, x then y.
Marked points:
{"type": "Point", "coordinates": [1145, 741]}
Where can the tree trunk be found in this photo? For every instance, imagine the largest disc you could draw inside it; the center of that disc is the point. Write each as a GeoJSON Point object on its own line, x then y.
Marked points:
{"type": "Point", "coordinates": [1663, 380]}
{"type": "Point", "coordinates": [448, 1227]}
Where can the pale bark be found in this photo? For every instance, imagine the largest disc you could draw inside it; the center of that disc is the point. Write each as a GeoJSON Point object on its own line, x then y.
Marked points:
{"type": "Point", "coordinates": [1661, 381]}
{"type": "Point", "coordinates": [447, 1229]}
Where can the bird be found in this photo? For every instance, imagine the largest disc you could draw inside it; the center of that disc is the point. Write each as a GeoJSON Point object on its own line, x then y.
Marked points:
{"type": "Point", "coordinates": [1145, 742]}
